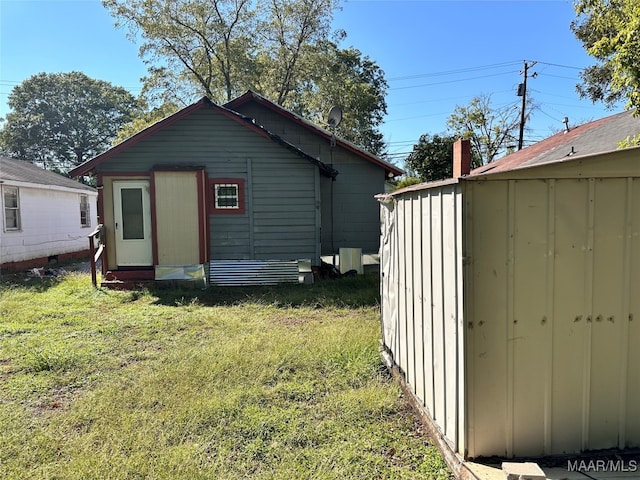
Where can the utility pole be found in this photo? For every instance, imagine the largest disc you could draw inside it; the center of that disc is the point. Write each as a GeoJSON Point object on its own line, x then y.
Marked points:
{"type": "Point", "coordinates": [522, 92]}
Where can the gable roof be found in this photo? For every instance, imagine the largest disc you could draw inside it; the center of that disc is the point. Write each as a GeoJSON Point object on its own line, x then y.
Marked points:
{"type": "Point", "coordinates": [89, 166]}
{"type": "Point", "coordinates": [15, 170]}
{"type": "Point", "coordinates": [251, 96]}
{"type": "Point", "coordinates": [599, 136]}
{"type": "Point", "coordinates": [592, 138]}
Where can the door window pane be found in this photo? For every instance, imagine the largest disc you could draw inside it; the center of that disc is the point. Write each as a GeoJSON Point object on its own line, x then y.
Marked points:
{"type": "Point", "coordinates": [132, 214]}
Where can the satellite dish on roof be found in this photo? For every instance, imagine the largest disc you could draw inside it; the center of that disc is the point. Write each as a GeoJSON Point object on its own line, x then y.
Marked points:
{"type": "Point", "coordinates": [335, 116]}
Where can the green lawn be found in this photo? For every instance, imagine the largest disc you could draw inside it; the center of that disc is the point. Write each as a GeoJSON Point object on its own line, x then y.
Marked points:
{"type": "Point", "coordinates": [273, 383]}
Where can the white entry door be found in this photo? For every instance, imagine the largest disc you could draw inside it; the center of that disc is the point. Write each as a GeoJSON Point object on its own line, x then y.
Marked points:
{"type": "Point", "coordinates": [132, 213]}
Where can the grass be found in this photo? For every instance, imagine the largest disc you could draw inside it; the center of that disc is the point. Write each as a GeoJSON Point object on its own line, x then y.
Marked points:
{"type": "Point", "coordinates": [272, 383]}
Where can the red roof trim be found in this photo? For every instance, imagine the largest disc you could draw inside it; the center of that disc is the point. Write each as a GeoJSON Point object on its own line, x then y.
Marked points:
{"type": "Point", "coordinates": [89, 165]}
{"type": "Point", "coordinates": [250, 96]}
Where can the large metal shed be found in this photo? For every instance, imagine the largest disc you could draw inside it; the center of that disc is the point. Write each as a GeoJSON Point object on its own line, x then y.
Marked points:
{"type": "Point", "coordinates": [511, 296]}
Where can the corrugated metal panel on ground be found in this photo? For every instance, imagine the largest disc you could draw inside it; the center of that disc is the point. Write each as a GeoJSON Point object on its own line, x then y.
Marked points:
{"type": "Point", "coordinates": [258, 272]}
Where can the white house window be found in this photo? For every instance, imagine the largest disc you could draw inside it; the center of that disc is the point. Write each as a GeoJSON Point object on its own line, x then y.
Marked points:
{"type": "Point", "coordinates": [85, 217]}
{"type": "Point", "coordinates": [227, 195]}
{"type": "Point", "coordinates": [11, 208]}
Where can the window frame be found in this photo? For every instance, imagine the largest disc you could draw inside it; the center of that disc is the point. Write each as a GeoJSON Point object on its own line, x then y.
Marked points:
{"type": "Point", "coordinates": [18, 219]}
{"type": "Point", "coordinates": [87, 211]}
{"type": "Point", "coordinates": [214, 183]}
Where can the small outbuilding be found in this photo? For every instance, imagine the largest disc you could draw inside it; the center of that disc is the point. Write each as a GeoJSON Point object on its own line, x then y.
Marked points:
{"type": "Point", "coordinates": [213, 193]}
{"type": "Point", "coordinates": [45, 216]}
{"type": "Point", "coordinates": [511, 296]}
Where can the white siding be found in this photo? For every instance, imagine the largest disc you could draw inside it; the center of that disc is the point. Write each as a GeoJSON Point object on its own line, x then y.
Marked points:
{"type": "Point", "coordinates": [50, 224]}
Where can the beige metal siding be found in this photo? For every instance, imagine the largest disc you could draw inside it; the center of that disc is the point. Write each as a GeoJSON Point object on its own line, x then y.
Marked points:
{"type": "Point", "coordinates": [486, 321]}
{"type": "Point", "coordinates": [630, 434]}
{"type": "Point", "coordinates": [548, 359]}
{"type": "Point", "coordinates": [177, 226]}
{"type": "Point", "coordinates": [422, 299]}
{"type": "Point", "coordinates": [553, 361]}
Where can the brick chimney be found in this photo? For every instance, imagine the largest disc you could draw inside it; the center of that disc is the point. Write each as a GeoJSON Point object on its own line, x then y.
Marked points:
{"type": "Point", "coordinates": [461, 158]}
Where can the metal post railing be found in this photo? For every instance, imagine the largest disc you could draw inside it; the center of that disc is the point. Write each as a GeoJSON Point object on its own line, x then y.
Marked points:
{"type": "Point", "coordinates": [96, 254]}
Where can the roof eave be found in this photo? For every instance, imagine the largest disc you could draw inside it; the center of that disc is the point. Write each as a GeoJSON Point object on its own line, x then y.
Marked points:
{"type": "Point", "coordinates": [390, 170]}
{"type": "Point", "coordinates": [88, 167]}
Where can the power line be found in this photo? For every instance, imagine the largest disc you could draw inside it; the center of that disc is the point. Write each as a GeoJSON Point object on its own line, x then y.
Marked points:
{"type": "Point", "coordinates": [454, 81]}
{"type": "Point", "coordinates": [558, 65]}
{"type": "Point", "coordinates": [452, 72]}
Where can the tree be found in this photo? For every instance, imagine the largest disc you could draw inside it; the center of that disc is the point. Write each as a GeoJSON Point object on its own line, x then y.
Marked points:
{"type": "Point", "coordinates": [345, 78]}
{"type": "Point", "coordinates": [278, 48]}
{"type": "Point", "coordinates": [406, 182]}
{"type": "Point", "coordinates": [289, 31]}
{"type": "Point", "coordinates": [224, 47]}
{"type": "Point", "coordinates": [200, 42]}
{"type": "Point", "coordinates": [610, 32]}
{"type": "Point", "coordinates": [144, 120]}
{"type": "Point", "coordinates": [62, 119]}
{"type": "Point", "coordinates": [491, 130]}
{"type": "Point", "coordinates": [432, 157]}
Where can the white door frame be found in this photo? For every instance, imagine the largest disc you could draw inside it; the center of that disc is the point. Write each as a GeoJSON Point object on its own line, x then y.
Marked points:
{"type": "Point", "coordinates": [133, 231]}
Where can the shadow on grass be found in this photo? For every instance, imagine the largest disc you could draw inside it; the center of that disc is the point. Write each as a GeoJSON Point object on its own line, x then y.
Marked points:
{"type": "Point", "coordinates": [20, 280]}
{"type": "Point", "coordinates": [48, 275]}
{"type": "Point", "coordinates": [353, 292]}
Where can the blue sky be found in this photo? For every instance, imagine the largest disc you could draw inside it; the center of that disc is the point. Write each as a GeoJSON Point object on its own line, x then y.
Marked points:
{"type": "Point", "coordinates": [435, 55]}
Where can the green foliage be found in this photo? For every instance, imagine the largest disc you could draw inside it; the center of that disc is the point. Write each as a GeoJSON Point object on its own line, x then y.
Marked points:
{"type": "Point", "coordinates": [145, 120]}
{"type": "Point", "coordinates": [491, 130]}
{"type": "Point", "coordinates": [62, 119]}
{"type": "Point", "coordinates": [432, 157]}
{"type": "Point", "coordinates": [280, 49]}
{"type": "Point", "coordinates": [407, 182]}
{"type": "Point", "coordinates": [608, 30]}
{"type": "Point", "coordinates": [200, 384]}
{"type": "Point", "coordinates": [630, 142]}
{"type": "Point", "coordinates": [345, 78]}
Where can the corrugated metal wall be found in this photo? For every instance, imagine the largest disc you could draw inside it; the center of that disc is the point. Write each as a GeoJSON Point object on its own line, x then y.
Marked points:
{"type": "Point", "coordinates": [422, 315]}
{"type": "Point", "coordinates": [554, 277]}
{"type": "Point", "coordinates": [546, 360]}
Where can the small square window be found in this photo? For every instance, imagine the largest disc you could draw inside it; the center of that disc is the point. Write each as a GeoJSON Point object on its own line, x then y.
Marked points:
{"type": "Point", "coordinates": [11, 208]}
{"type": "Point", "coordinates": [227, 196]}
{"type": "Point", "coordinates": [85, 210]}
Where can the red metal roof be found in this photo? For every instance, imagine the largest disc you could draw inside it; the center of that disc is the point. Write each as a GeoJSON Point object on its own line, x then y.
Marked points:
{"type": "Point", "coordinates": [598, 136]}
{"type": "Point", "coordinates": [592, 138]}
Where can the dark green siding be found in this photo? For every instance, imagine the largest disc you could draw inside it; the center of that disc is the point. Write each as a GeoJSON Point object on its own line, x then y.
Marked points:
{"type": "Point", "coordinates": [356, 222]}
{"type": "Point", "coordinates": [280, 221]}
